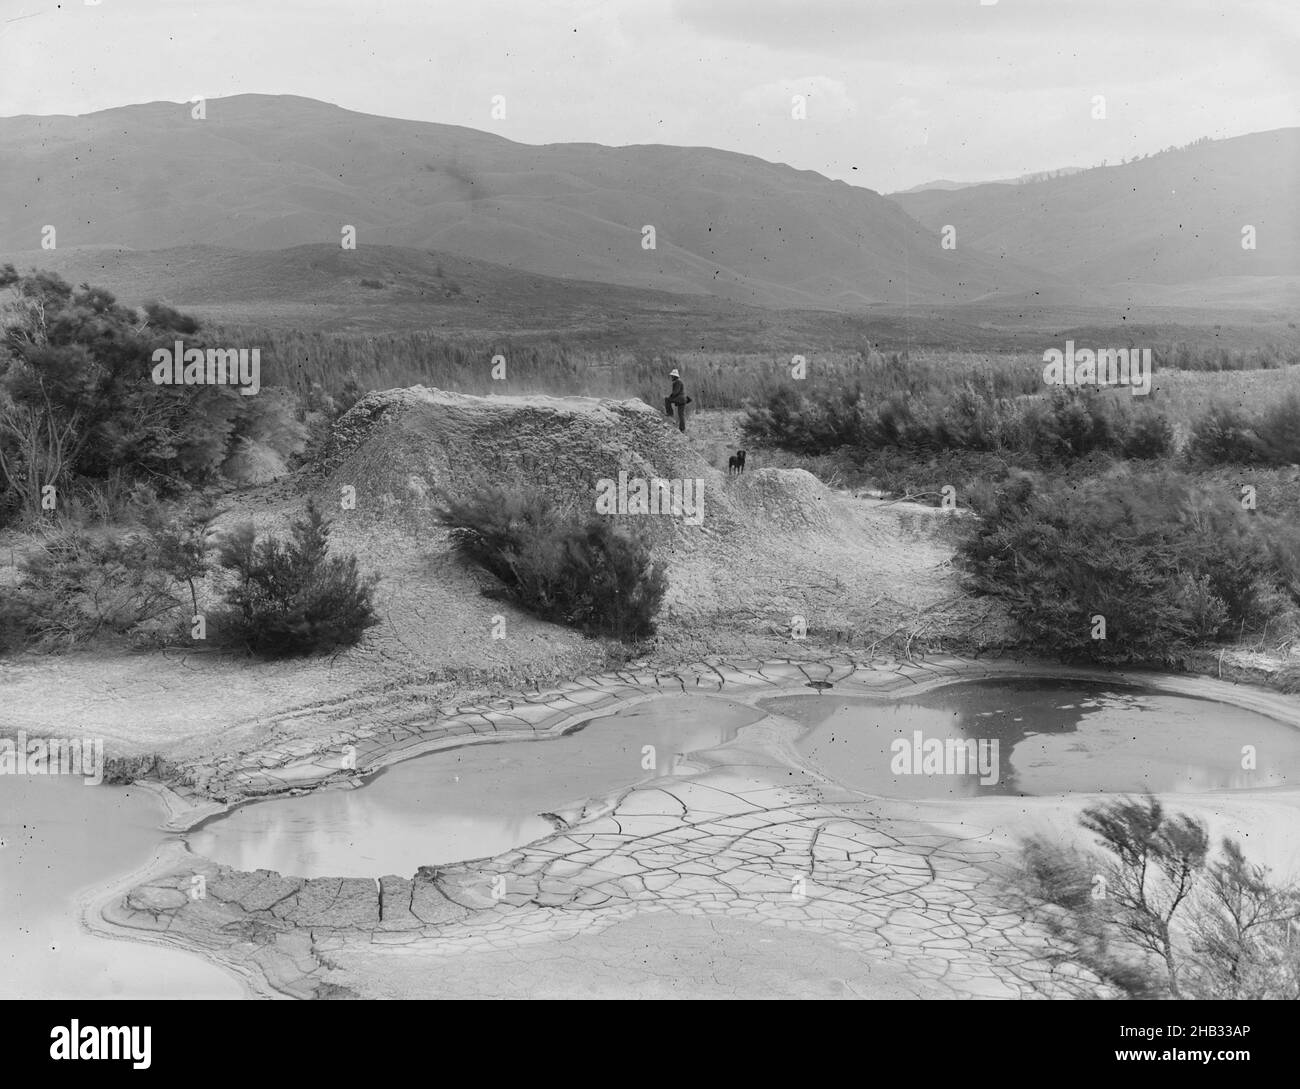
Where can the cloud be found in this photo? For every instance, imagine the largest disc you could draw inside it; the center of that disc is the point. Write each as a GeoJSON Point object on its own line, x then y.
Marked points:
{"type": "Point", "coordinates": [841, 26]}
{"type": "Point", "coordinates": [828, 100]}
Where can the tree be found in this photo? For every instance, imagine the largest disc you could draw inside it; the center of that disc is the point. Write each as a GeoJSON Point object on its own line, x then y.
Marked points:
{"type": "Point", "coordinates": [180, 542]}
{"type": "Point", "coordinates": [77, 400]}
{"type": "Point", "coordinates": [293, 598]}
{"type": "Point", "coordinates": [35, 448]}
{"type": "Point", "coordinates": [1156, 914]}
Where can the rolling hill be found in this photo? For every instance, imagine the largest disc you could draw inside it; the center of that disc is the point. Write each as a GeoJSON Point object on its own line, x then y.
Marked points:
{"type": "Point", "coordinates": [239, 217]}
{"type": "Point", "coordinates": [1172, 218]}
{"type": "Point", "coordinates": [269, 172]}
{"type": "Point", "coordinates": [948, 184]}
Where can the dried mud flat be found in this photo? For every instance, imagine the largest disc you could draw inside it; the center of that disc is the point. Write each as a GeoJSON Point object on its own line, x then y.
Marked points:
{"type": "Point", "coordinates": [745, 874]}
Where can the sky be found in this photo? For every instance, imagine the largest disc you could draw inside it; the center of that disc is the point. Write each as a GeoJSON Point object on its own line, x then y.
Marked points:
{"type": "Point", "coordinates": [895, 93]}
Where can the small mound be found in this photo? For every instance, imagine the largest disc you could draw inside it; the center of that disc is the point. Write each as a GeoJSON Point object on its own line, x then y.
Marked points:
{"type": "Point", "coordinates": [783, 499]}
{"type": "Point", "coordinates": [396, 448]}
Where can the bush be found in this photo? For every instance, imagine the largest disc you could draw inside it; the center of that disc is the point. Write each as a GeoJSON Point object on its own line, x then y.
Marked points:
{"type": "Point", "coordinates": [1279, 433]}
{"type": "Point", "coordinates": [180, 540]}
{"type": "Point", "coordinates": [1168, 566]}
{"type": "Point", "coordinates": [1150, 435]}
{"type": "Point", "coordinates": [292, 598]}
{"type": "Point", "coordinates": [13, 622]}
{"type": "Point", "coordinates": [1228, 436]}
{"type": "Point", "coordinates": [78, 585]}
{"type": "Point", "coordinates": [925, 413]}
{"type": "Point", "coordinates": [591, 576]}
{"type": "Point", "coordinates": [1223, 436]}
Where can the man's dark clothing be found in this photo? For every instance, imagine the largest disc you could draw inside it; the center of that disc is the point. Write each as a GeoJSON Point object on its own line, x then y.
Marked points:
{"type": "Point", "coordinates": [678, 399]}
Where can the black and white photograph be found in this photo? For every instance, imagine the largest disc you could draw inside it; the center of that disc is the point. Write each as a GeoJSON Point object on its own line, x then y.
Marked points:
{"type": "Point", "coordinates": [575, 500]}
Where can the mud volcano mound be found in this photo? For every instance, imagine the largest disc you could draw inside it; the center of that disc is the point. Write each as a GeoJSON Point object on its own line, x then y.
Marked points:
{"type": "Point", "coordinates": [397, 447]}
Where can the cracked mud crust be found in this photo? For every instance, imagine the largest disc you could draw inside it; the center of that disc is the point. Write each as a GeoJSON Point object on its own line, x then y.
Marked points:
{"type": "Point", "coordinates": [755, 876]}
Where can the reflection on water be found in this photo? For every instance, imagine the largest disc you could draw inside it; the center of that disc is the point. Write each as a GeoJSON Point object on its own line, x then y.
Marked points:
{"type": "Point", "coordinates": [349, 834]}
{"type": "Point", "coordinates": [58, 837]}
{"type": "Point", "coordinates": [472, 802]}
{"type": "Point", "coordinates": [1054, 737]}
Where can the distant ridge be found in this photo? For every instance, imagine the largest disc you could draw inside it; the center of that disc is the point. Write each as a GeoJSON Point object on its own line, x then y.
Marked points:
{"type": "Point", "coordinates": [948, 186]}
{"type": "Point", "coordinates": [1175, 217]}
{"type": "Point", "coordinates": [268, 172]}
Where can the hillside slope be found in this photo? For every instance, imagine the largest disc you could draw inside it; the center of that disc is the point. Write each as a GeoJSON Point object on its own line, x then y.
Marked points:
{"type": "Point", "coordinates": [267, 172]}
{"type": "Point", "coordinates": [1171, 218]}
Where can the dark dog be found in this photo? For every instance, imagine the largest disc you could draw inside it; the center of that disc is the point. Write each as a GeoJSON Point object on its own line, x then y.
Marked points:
{"type": "Point", "coordinates": [736, 463]}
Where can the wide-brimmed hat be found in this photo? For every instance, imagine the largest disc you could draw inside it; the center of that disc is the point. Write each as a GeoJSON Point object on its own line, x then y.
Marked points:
{"type": "Point", "coordinates": [673, 373]}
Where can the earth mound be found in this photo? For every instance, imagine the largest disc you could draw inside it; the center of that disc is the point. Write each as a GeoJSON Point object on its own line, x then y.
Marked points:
{"type": "Point", "coordinates": [398, 448]}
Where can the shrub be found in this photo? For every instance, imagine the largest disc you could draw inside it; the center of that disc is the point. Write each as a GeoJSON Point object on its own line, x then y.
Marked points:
{"type": "Point", "coordinates": [1223, 436]}
{"type": "Point", "coordinates": [1070, 424]}
{"type": "Point", "coordinates": [1278, 430]}
{"type": "Point", "coordinates": [784, 420]}
{"type": "Point", "coordinates": [1168, 566]}
{"type": "Point", "coordinates": [1150, 435]}
{"type": "Point", "coordinates": [180, 540]}
{"type": "Point", "coordinates": [292, 598]}
{"type": "Point", "coordinates": [13, 622]}
{"type": "Point", "coordinates": [591, 576]}
{"type": "Point", "coordinates": [77, 585]}
{"type": "Point", "coordinates": [923, 412]}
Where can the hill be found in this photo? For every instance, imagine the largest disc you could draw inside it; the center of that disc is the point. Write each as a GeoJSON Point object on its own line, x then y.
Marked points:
{"type": "Point", "coordinates": [947, 184]}
{"type": "Point", "coordinates": [270, 172]}
{"type": "Point", "coordinates": [1171, 218]}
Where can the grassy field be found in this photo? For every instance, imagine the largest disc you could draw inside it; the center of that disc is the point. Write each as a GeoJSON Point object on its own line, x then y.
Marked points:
{"type": "Point", "coordinates": [717, 378]}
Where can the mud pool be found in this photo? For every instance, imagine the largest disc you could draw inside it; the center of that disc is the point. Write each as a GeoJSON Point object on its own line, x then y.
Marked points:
{"type": "Point", "coordinates": [60, 840]}
{"type": "Point", "coordinates": [470, 802]}
{"type": "Point", "coordinates": [1054, 738]}
{"type": "Point", "coordinates": [59, 837]}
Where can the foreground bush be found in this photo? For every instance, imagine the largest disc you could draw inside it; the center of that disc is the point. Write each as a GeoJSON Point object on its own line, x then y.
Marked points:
{"type": "Point", "coordinates": [77, 585]}
{"type": "Point", "coordinates": [1156, 914]}
{"type": "Point", "coordinates": [79, 409]}
{"type": "Point", "coordinates": [590, 576]}
{"type": "Point", "coordinates": [1167, 566]}
{"type": "Point", "coordinates": [291, 597]}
